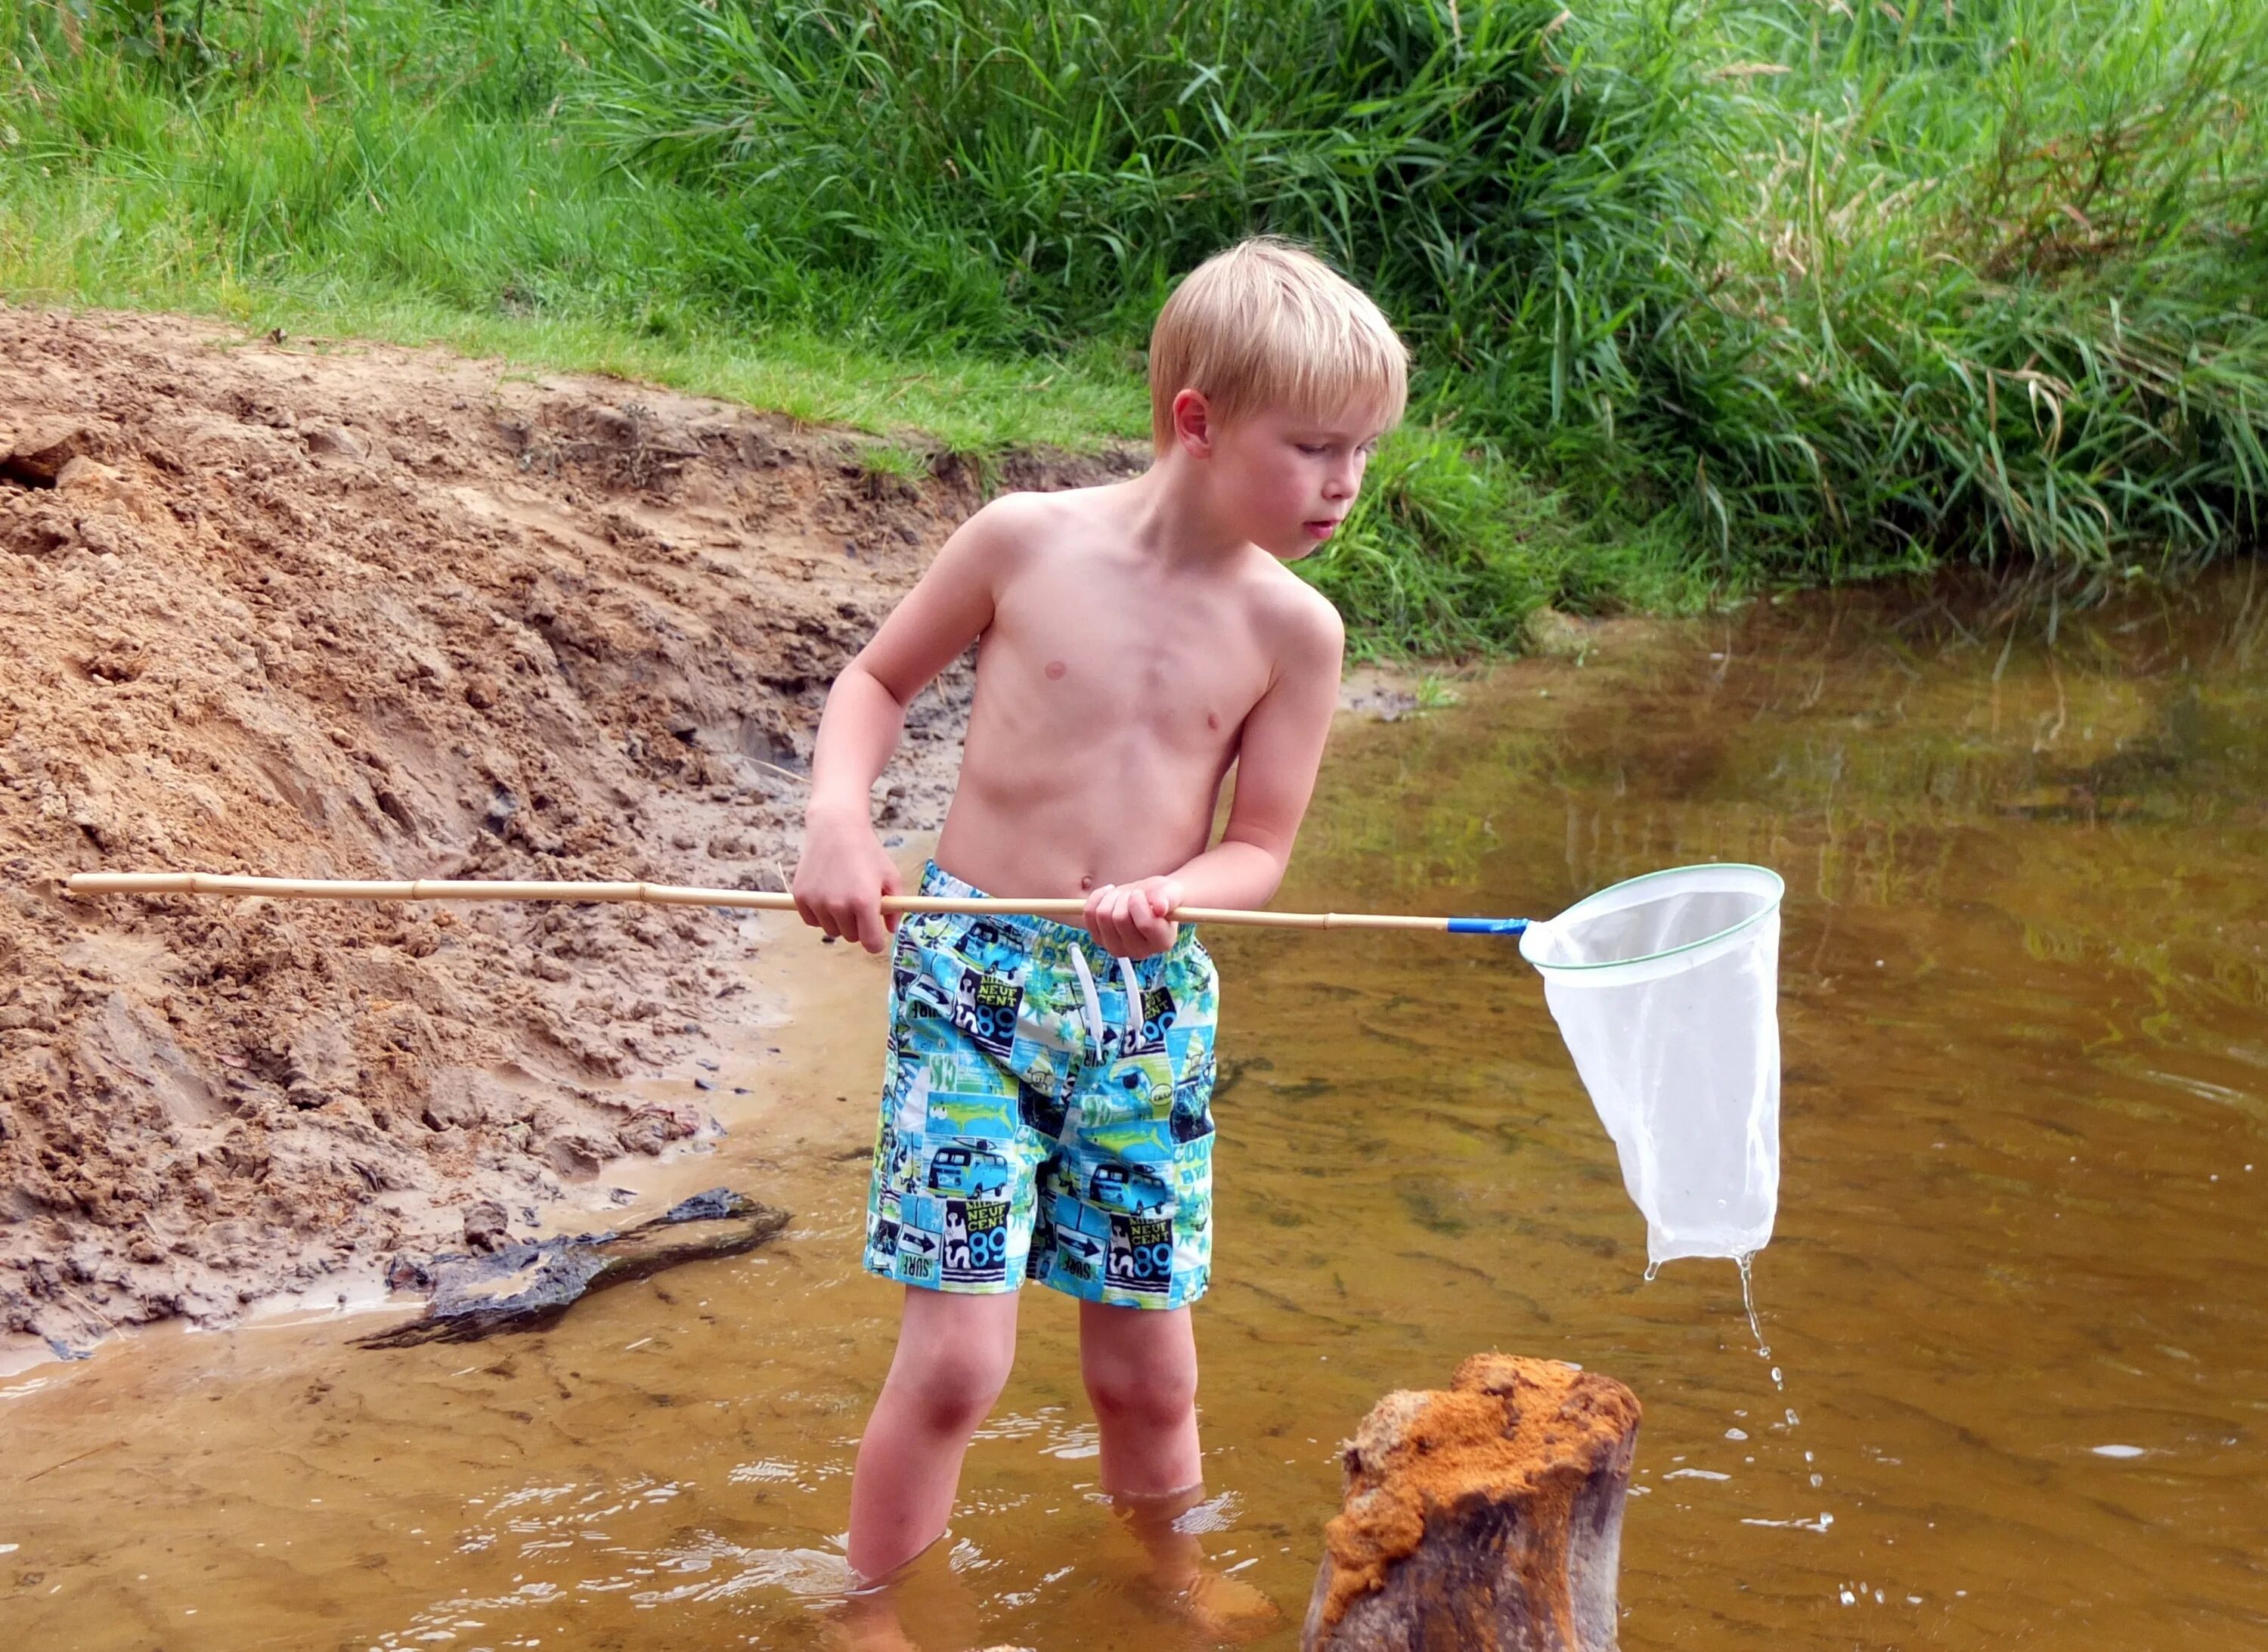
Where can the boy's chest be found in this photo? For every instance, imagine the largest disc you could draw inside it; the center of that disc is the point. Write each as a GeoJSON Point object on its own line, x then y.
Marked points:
{"type": "Point", "coordinates": [1117, 654]}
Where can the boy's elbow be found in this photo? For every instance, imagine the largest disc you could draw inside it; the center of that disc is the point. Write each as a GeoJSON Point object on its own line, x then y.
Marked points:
{"type": "Point", "coordinates": [859, 682]}
{"type": "Point", "coordinates": [1267, 861]}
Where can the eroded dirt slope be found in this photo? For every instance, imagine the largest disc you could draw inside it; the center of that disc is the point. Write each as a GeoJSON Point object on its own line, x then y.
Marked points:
{"type": "Point", "coordinates": [360, 611]}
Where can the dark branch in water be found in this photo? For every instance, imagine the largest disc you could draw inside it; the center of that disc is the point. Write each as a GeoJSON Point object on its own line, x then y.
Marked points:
{"type": "Point", "coordinates": [530, 1287]}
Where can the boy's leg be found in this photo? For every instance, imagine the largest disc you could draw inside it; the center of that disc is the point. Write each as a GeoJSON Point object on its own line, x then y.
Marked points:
{"type": "Point", "coordinates": [1141, 1370]}
{"type": "Point", "coordinates": [954, 1353]}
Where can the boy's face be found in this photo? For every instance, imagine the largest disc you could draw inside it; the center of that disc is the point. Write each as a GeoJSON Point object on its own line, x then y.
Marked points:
{"type": "Point", "coordinates": [1293, 476]}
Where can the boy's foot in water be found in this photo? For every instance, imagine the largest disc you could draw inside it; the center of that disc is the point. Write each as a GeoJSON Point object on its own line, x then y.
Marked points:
{"type": "Point", "coordinates": [1221, 1608]}
{"type": "Point", "coordinates": [1218, 1606]}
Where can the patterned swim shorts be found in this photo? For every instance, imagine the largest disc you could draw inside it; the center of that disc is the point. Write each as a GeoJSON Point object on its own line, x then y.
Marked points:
{"type": "Point", "coordinates": [1047, 1113]}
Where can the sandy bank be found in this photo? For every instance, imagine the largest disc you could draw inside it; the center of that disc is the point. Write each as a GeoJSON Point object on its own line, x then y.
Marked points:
{"type": "Point", "coordinates": [346, 611]}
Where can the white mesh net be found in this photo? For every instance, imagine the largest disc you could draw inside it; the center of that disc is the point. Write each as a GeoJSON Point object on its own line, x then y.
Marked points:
{"type": "Point", "coordinates": [1666, 990]}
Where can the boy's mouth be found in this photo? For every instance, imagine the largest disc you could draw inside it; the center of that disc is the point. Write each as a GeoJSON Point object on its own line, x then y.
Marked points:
{"type": "Point", "coordinates": [1322, 528]}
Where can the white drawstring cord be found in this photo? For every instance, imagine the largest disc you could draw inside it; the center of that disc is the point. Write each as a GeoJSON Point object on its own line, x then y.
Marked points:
{"type": "Point", "coordinates": [1092, 1015]}
{"type": "Point", "coordinates": [1092, 1008]}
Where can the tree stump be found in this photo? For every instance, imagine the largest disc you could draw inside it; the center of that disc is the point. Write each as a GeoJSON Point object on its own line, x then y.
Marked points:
{"type": "Point", "coordinates": [1487, 1518]}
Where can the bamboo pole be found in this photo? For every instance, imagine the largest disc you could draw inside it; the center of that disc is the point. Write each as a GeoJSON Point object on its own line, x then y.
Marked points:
{"type": "Point", "coordinates": [678, 894]}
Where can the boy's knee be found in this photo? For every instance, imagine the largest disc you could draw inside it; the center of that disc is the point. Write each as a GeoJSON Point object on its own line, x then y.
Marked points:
{"type": "Point", "coordinates": [1158, 1393]}
{"type": "Point", "coordinates": [954, 1390]}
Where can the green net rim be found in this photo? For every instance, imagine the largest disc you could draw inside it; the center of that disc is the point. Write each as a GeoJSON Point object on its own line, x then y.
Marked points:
{"type": "Point", "coordinates": [1779, 890]}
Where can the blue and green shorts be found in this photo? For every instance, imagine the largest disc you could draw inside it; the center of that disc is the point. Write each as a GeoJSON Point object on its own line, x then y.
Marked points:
{"type": "Point", "coordinates": [1047, 1112]}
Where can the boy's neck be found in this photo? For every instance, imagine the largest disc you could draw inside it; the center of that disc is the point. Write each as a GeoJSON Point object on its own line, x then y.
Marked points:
{"type": "Point", "coordinates": [1175, 518]}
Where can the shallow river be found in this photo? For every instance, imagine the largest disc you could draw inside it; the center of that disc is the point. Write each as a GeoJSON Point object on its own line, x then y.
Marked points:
{"type": "Point", "coordinates": [2017, 1393]}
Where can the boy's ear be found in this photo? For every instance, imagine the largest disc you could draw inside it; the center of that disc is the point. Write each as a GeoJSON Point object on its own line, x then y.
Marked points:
{"type": "Point", "coordinates": [1193, 426]}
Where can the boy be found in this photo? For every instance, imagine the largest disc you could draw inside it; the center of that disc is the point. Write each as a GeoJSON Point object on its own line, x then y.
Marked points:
{"type": "Point", "coordinates": [1046, 1111]}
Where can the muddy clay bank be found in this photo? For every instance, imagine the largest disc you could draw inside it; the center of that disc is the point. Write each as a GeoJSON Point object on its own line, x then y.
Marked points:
{"type": "Point", "coordinates": [371, 612]}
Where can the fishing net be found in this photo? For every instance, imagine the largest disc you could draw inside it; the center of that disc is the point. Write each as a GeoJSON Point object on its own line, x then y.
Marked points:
{"type": "Point", "coordinates": [1666, 988]}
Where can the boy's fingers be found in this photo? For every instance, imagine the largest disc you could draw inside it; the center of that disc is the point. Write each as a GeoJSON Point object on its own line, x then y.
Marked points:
{"type": "Point", "coordinates": [874, 932]}
{"type": "Point", "coordinates": [1108, 926]}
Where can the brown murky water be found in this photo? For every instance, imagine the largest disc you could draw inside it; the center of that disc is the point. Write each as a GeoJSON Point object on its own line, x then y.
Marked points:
{"type": "Point", "coordinates": [2018, 1387]}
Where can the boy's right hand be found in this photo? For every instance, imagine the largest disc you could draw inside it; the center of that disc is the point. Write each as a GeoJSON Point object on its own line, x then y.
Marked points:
{"type": "Point", "coordinates": [842, 879]}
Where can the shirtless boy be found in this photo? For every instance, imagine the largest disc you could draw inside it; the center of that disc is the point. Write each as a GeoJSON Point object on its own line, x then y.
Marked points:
{"type": "Point", "coordinates": [1046, 1107]}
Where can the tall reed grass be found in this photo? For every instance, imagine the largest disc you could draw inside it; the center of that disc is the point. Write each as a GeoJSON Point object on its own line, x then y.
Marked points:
{"type": "Point", "coordinates": [1713, 294]}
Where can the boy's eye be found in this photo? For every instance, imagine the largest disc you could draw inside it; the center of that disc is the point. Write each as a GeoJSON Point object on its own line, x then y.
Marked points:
{"type": "Point", "coordinates": [1313, 450]}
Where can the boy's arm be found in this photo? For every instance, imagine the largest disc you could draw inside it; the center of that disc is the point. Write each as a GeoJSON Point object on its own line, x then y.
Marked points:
{"type": "Point", "coordinates": [844, 871]}
{"type": "Point", "coordinates": [1280, 749]}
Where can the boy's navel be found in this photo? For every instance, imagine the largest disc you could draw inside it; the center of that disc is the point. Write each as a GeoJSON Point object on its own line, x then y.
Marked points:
{"type": "Point", "coordinates": [1056, 668]}
{"type": "Point", "coordinates": [1213, 719]}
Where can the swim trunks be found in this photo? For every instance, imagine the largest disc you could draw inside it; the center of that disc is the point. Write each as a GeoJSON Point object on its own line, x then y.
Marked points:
{"type": "Point", "coordinates": [1047, 1112]}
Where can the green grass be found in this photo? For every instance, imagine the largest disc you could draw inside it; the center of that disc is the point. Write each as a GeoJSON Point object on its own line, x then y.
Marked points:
{"type": "Point", "coordinates": [393, 180]}
{"type": "Point", "coordinates": [1708, 297]}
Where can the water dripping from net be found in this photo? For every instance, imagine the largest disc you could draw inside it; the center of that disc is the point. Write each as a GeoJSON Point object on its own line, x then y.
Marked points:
{"type": "Point", "coordinates": [1747, 1264]}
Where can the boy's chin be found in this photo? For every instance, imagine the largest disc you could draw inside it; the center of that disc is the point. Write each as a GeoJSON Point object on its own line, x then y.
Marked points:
{"type": "Point", "coordinates": [1297, 546]}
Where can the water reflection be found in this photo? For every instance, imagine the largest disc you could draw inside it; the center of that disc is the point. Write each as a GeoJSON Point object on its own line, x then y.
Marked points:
{"type": "Point", "coordinates": [2018, 1374]}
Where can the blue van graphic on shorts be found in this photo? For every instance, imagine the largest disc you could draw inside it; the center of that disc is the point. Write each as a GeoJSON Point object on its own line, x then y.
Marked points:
{"type": "Point", "coordinates": [971, 1172]}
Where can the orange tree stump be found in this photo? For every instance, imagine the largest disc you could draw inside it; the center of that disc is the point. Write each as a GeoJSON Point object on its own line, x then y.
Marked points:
{"type": "Point", "coordinates": [1487, 1518]}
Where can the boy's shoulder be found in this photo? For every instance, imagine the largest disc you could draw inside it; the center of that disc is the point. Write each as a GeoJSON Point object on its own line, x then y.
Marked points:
{"type": "Point", "coordinates": [1036, 514]}
{"type": "Point", "coordinates": [1078, 519]}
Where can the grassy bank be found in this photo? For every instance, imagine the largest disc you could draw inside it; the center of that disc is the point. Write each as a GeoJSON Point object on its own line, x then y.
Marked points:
{"type": "Point", "coordinates": [1707, 297]}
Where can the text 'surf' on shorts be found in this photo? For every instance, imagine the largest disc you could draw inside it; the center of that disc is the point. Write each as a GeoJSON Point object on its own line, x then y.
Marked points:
{"type": "Point", "coordinates": [1047, 1112]}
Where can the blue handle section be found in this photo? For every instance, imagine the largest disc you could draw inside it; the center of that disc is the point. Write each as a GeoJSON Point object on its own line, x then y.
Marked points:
{"type": "Point", "coordinates": [1488, 925]}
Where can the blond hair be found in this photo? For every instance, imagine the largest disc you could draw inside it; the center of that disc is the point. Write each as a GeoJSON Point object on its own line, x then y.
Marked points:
{"type": "Point", "coordinates": [1269, 324]}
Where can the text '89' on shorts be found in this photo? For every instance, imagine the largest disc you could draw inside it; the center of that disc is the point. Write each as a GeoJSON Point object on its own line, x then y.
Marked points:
{"type": "Point", "coordinates": [1047, 1112]}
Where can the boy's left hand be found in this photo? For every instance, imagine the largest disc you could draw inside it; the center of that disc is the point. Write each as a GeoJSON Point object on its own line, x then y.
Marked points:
{"type": "Point", "coordinates": [1129, 919]}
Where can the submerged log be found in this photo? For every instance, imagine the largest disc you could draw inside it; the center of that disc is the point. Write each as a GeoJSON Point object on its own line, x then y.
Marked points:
{"type": "Point", "coordinates": [527, 1286]}
{"type": "Point", "coordinates": [1488, 1517]}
